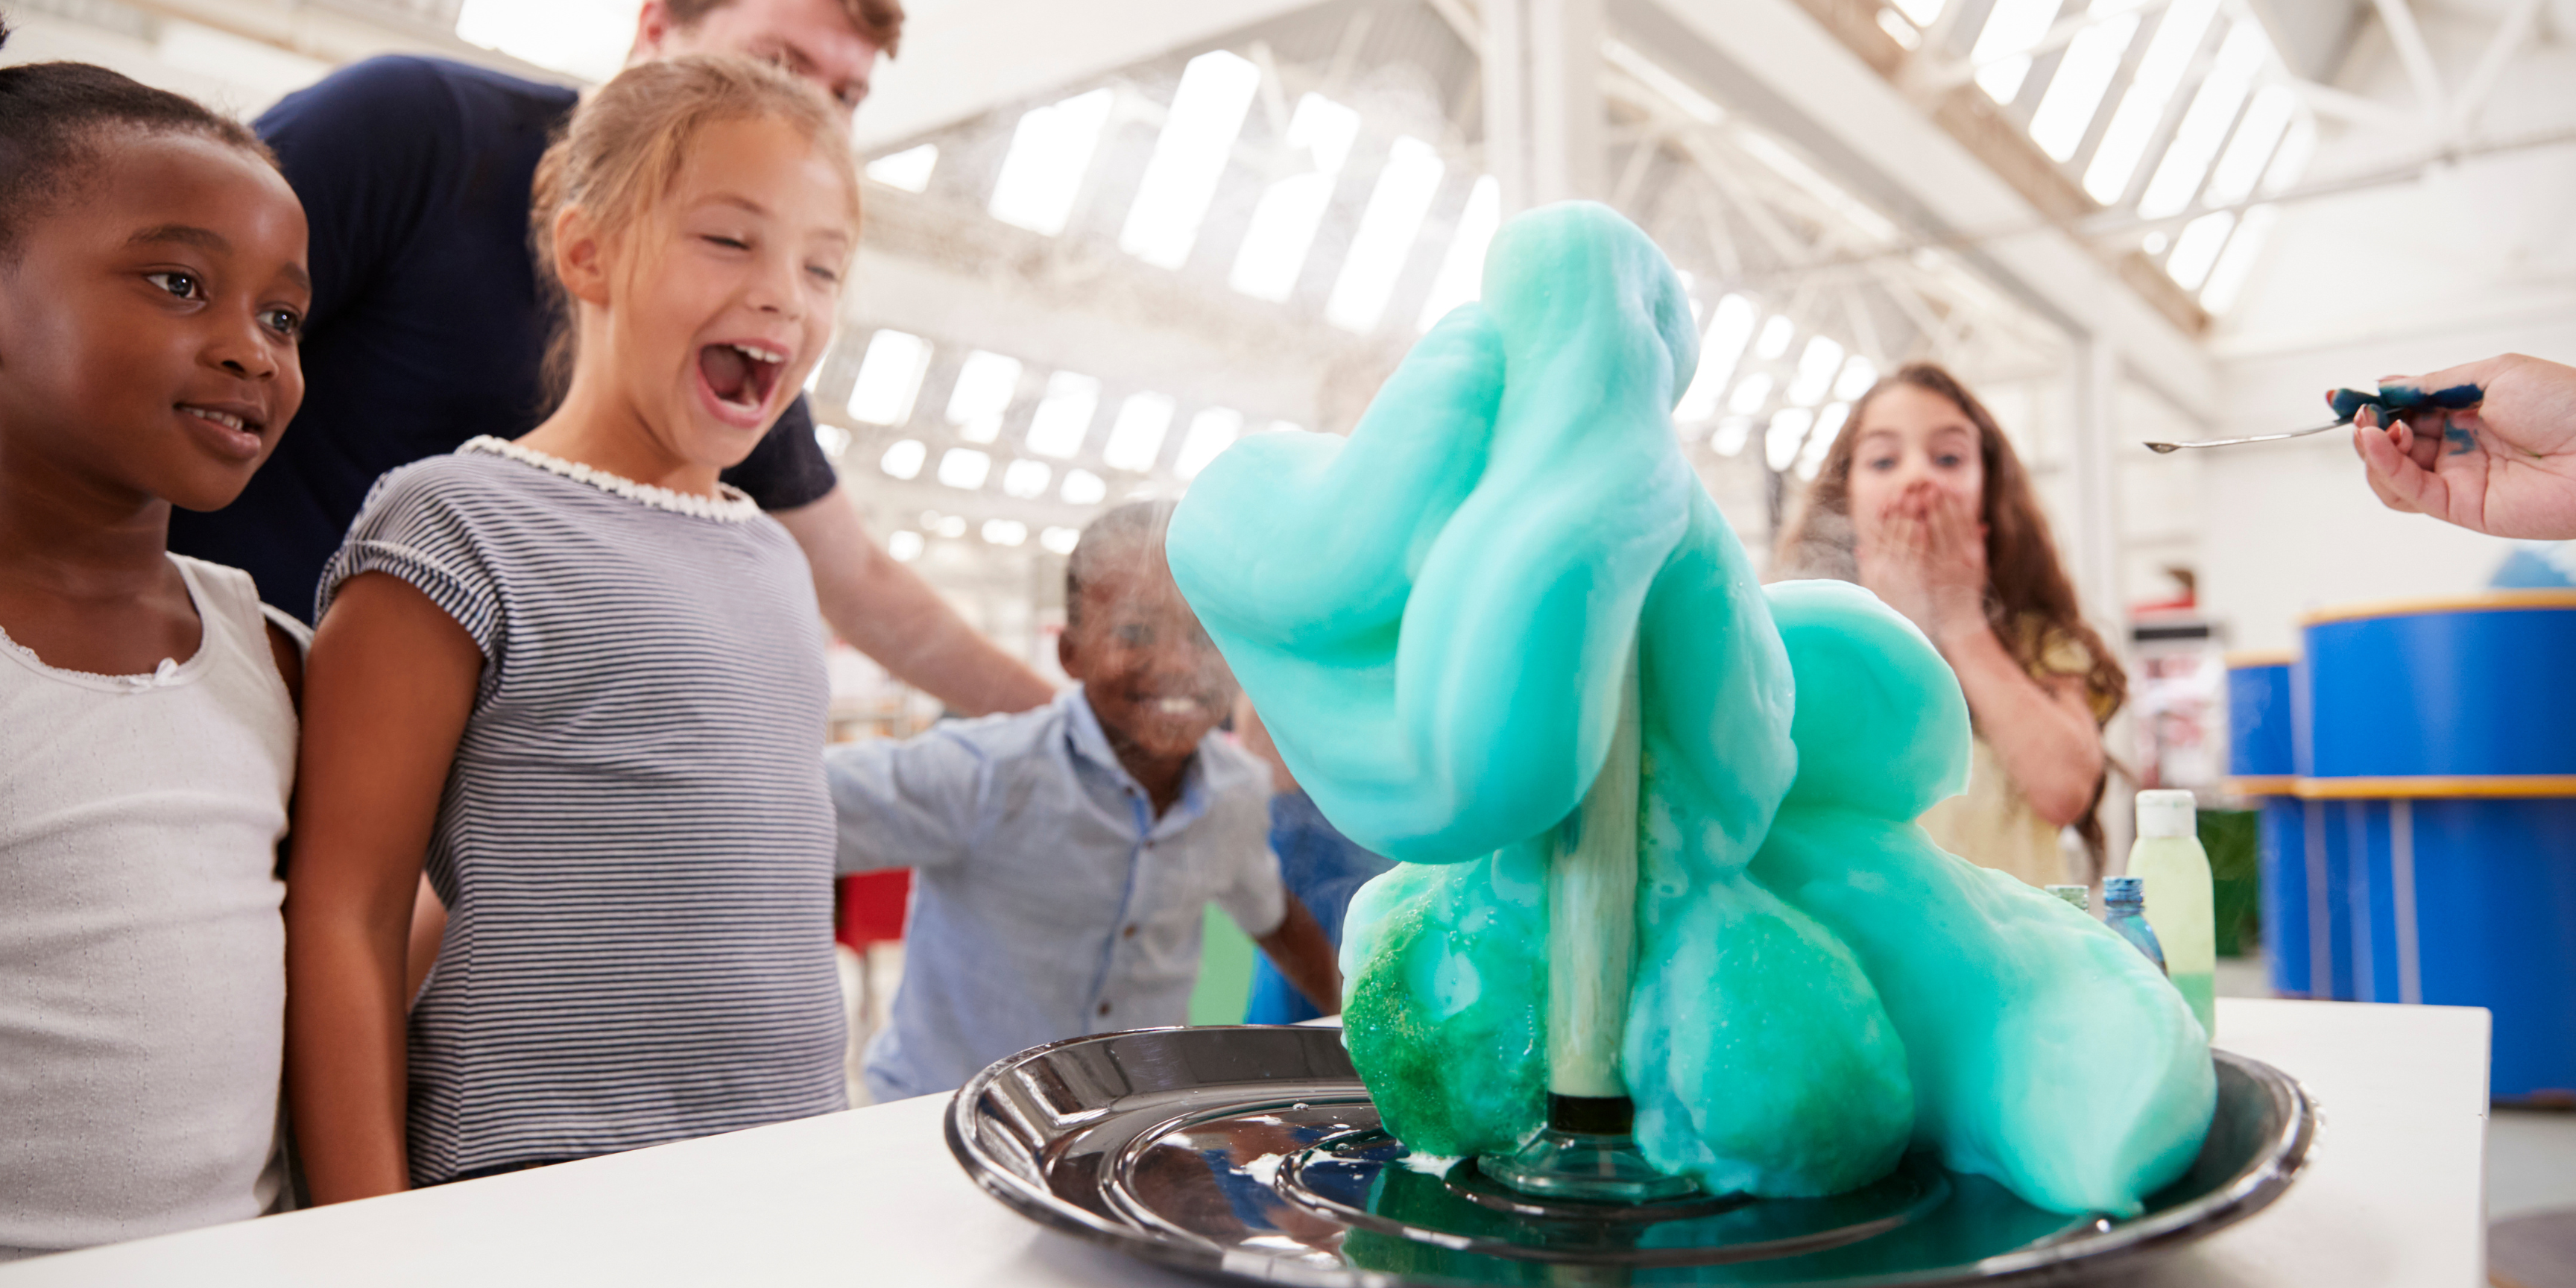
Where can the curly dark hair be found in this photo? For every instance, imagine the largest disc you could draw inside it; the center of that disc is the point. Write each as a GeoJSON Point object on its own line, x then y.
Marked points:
{"type": "Point", "coordinates": [2025, 583]}
{"type": "Point", "coordinates": [56, 116]}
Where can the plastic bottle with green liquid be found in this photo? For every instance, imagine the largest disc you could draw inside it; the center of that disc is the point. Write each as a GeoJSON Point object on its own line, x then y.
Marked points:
{"type": "Point", "coordinates": [2176, 871]}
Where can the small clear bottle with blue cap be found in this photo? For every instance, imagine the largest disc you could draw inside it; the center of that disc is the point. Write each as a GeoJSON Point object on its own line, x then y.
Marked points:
{"type": "Point", "coordinates": [2124, 910]}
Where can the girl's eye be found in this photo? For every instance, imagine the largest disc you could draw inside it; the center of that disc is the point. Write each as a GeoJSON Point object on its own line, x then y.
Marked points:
{"type": "Point", "coordinates": [180, 285]}
{"type": "Point", "coordinates": [823, 274]}
{"type": "Point", "coordinates": [1949, 460]}
{"type": "Point", "coordinates": [285, 322]}
{"type": "Point", "coordinates": [730, 243]}
{"type": "Point", "coordinates": [1882, 463]}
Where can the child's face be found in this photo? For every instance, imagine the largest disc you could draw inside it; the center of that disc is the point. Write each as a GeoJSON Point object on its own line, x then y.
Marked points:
{"type": "Point", "coordinates": [730, 299]}
{"type": "Point", "coordinates": [148, 328]}
{"type": "Point", "coordinates": [1148, 668]}
{"type": "Point", "coordinates": [1914, 443]}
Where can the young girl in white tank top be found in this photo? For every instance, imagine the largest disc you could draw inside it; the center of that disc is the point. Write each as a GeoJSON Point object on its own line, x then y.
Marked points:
{"type": "Point", "coordinates": [148, 317]}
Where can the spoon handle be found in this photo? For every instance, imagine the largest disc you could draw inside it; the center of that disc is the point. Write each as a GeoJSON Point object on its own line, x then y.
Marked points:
{"type": "Point", "coordinates": [2161, 448]}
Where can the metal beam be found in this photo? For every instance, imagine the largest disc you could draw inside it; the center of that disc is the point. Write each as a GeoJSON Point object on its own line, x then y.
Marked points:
{"type": "Point", "coordinates": [2510, 34]}
{"type": "Point", "coordinates": [1543, 105]}
{"type": "Point", "coordinates": [2416, 57]}
{"type": "Point", "coordinates": [1778, 63]}
{"type": "Point", "coordinates": [970, 56]}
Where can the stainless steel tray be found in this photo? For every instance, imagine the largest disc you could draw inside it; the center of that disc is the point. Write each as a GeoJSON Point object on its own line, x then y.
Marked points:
{"type": "Point", "coordinates": [1253, 1153]}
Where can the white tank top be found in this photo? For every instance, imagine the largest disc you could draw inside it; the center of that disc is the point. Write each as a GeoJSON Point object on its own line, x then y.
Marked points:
{"type": "Point", "coordinates": [142, 956]}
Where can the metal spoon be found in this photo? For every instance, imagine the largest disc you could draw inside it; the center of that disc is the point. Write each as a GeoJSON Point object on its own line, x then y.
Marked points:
{"type": "Point", "coordinates": [2347, 404]}
{"type": "Point", "coordinates": [2162, 448]}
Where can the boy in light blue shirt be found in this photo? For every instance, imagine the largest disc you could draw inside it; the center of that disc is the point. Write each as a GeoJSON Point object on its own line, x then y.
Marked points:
{"type": "Point", "coordinates": [1062, 855]}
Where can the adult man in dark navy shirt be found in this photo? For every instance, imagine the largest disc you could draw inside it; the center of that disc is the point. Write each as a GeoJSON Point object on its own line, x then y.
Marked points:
{"type": "Point", "coordinates": [428, 327]}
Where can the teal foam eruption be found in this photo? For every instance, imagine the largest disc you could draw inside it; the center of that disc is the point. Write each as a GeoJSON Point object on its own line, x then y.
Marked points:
{"type": "Point", "coordinates": [1507, 579]}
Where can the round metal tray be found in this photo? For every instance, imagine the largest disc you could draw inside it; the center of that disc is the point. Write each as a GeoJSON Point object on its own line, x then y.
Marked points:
{"type": "Point", "coordinates": [1254, 1153]}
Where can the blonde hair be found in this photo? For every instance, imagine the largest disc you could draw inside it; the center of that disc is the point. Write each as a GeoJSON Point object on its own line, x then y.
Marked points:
{"type": "Point", "coordinates": [625, 146]}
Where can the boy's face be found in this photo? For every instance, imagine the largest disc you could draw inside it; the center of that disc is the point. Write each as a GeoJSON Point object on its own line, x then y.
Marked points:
{"type": "Point", "coordinates": [148, 327]}
{"type": "Point", "coordinates": [1149, 670]}
{"type": "Point", "coordinates": [732, 301]}
{"type": "Point", "coordinates": [813, 39]}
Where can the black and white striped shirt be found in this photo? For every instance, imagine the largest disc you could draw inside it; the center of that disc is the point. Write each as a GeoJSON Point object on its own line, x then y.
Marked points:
{"type": "Point", "coordinates": [635, 843]}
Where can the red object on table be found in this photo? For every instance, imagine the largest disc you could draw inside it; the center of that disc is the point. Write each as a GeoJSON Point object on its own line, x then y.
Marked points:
{"type": "Point", "coordinates": [870, 908]}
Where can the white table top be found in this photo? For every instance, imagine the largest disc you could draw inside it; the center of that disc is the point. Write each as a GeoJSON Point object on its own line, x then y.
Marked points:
{"type": "Point", "coordinates": [2393, 1195]}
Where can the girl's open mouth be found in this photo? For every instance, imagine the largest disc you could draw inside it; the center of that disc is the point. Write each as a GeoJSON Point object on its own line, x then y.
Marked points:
{"type": "Point", "coordinates": [740, 377]}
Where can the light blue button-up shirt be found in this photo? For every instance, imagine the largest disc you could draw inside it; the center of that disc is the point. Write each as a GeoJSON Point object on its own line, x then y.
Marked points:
{"type": "Point", "coordinates": [1047, 900]}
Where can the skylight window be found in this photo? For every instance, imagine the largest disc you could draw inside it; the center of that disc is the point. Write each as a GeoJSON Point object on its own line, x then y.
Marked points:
{"type": "Point", "coordinates": [2266, 118]}
{"type": "Point", "coordinates": [1462, 270]}
{"type": "Point", "coordinates": [1026, 480]}
{"type": "Point", "coordinates": [1064, 415]}
{"type": "Point", "coordinates": [1731, 436]}
{"type": "Point", "coordinates": [2292, 160]}
{"type": "Point", "coordinates": [964, 467]}
{"type": "Point", "coordinates": [2142, 108]}
{"type": "Point", "coordinates": [1820, 440]}
{"type": "Point", "coordinates": [1284, 221]}
{"type": "Point", "coordinates": [904, 545]}
{"type": "Point", "coordinates": [909, 169]}
{"type": "Point", "coordinates": [1136, 437]}
{"type": "Point", "coordinates": [1082, 487]}
{"type": "Point", "coordinates": [1858, 375]}
{"type": "Point", "coordinates": [2236, 263]}
{"type": "Point", "coordinates": [1385, 238]}
{"type": "Point", "coordinates": [1730, 328]}
{"type": "Point", "coordinates": [905, 459]}
{"type": "Point", "coordinates": [2002, 50]}
{"type": "Point", "coordinates": [2084, 74]}
{"type": "Point", "coordinates": [889, 378]}
{"type": "Point", "coordinates": [1060, 540]}
{"type": "Point", "coordinates": [2197, 249]}
{"type": "Point", "coordinates": [1788, 432]}
{"type": "Point", "coordinates": [1922, 13]}
{"type": "Point", "coordinates": [1190, 156]}
{"type": "Point", "coordinates": [1750, 395]}
{"type": "Point", "coordinates": [833, 439]}
{"type": "Point", "coordinates": [1050, 151]}
{"type": "Point", "coordinates": [1776, 335]}
{"type": "Point", "coordinates": [1005, 532]}
{"type": "Point", "coordinates": [985, 386]}
{"type": "Point", "coordinates": [1211, 431]}
{"type": "Point", "coordinates": [1816, 367]}
{"type": "Point", "coordinates": [2204, 123]}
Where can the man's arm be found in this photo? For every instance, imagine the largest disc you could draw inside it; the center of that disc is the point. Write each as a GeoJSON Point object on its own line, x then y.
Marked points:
{"type": "Point", "coordinates": [1302, 954]}
{"type": "Point", "coordinates": [888, 612]}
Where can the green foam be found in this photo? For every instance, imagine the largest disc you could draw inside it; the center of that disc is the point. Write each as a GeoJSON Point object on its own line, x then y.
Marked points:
{"type": "Point", "coordinates": [1436, 616]}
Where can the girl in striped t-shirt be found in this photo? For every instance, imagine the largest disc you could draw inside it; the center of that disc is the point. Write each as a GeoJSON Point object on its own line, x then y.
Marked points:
{"type": "Point", "coordinates": [585, 679]}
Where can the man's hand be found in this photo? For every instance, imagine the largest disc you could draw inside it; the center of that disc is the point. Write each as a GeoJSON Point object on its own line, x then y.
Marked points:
{"type": "Point", "coordinates": [2506, 467]}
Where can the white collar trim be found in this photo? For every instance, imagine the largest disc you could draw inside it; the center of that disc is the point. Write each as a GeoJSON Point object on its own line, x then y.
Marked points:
{"type": "Point", "coordinates": [734, 506]}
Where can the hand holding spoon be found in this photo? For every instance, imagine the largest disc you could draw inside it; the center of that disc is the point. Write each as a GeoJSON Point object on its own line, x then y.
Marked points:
{"type": "Point", "coordinates": [2347, 403]}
